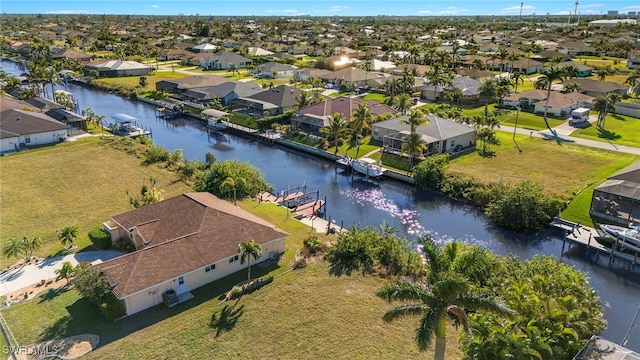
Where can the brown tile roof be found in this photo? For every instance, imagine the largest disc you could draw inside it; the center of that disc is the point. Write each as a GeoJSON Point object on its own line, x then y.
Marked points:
{"type": "Point", "coordinates": [184, 233]}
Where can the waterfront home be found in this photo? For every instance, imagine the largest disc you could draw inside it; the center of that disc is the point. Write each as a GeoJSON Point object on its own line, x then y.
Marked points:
{"type": "Point", "coordinates": [313, 117]}
{"type": "Point", "coordinates": [21, 129]}
{"type": "Point", "coordinates": [439, 134]}
{"type": "Point", "coordinates": [182, 243]}
{"type": "Point", "coordinates": [224, 92]}
{"type": "Point", "coordinates": [271, 101]}
{"type": "Point", "coordinates": [70, 54]}
{"type": "Point", "coordinates": [618, 199]}
{"type": "Point", "coordinates": [118, 68]}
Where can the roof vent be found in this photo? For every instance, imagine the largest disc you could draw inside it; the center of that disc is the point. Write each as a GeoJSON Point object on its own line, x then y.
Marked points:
{"type": "Point", "coordinates": [18, 118]}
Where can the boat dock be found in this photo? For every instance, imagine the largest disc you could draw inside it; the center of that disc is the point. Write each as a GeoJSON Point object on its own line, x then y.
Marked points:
{"type": "Point", "coordinates": [590, 238]}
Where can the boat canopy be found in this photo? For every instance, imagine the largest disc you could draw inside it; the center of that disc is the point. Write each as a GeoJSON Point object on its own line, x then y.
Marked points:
{"type": "Point", "coordinates": [367, 160]}
{"type": "Point", "coordinates": [215, 113]}
{"type": "Point", "coordinates": [123, 118]}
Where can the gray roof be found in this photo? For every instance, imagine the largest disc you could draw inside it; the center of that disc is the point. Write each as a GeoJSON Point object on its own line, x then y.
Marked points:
{"type": "Point", "coordinates": [468, 85]}
{"type": "Point", "coordinates": [274, 66]}
{"type": "Point", "coordinates": [222, 90]}
{"type": "Point", "coordinates": [282, 96]}
{"type": "Point", "coordinates": [437, 128]}
{"type": "Point", "coordinates": [15, 122]}
{"type": "Point", "coordinates": [625, 182]}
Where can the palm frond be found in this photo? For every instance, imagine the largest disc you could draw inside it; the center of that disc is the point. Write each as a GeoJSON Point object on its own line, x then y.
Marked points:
{"type": "Point", "coordinates": [428, 326]}
{"type": "Point", "coordinates": [404, 311]}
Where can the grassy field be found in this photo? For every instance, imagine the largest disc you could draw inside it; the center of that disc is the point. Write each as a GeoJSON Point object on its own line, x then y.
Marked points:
{"type": "Point", "coordinates": [618, 129]}
{"type": "Point", "coordinates": [132, 82]}
{"type": "Point", "coordinates": [508, 118]}
{"type": "Point", "coordinates": [81, 183]}
{"type": "Point", "coordinates": [563, 169]}
{"type": "Point", "coordinates": [301, 314]}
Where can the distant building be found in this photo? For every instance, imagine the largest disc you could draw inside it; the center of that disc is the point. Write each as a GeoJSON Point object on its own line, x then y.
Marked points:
{"type": "Point", "coordinates": [632, 14]}
{"type": "Point", "coordinates": [117, 68]}
{"type": "Point", "coordinates": [612, 22]}
{"type": "Point", "coordinates": [612, 13]}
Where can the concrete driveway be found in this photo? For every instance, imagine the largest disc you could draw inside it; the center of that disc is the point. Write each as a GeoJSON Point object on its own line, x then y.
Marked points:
{"type": "Point", "coordinates": [28, 275]}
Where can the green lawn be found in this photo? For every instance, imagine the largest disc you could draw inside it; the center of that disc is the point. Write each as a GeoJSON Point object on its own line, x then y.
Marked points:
{"type": "Point", "coordinates": [132, 82]}
{"type": "Point", "coordinates": [618, 129]}
{"type": "Point", "coordinates": [350, 150]}
{"type": "Point", "coordinates": [305, 313]}
{"type": "Point", "coordinates": [381, 98]}
{"type": "Point", "coordinates": [508, 117]}
{"type": "Point", "coordinates": [563, 169]}
{"type": "Point", "coordinates": [69, 196]}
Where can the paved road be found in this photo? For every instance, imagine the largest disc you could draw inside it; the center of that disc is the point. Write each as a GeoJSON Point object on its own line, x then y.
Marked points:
{"type": "Point", "coordinates": [563, 132]}
{"type": "Point", "coordinates": [25, 276]}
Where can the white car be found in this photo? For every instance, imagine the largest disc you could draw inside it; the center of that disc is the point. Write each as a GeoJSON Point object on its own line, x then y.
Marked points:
{"type": "Point", "coordinates": [328, 86]}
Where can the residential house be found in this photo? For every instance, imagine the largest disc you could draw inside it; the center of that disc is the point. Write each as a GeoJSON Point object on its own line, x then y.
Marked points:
{"type": "Point", "coordinates": [439, 134]}
{"type": "Point", "coordinates": [633, 62]}
{"type": "Point", "coordinates": [222, 60]}
{"type": "Point", "coordinates": [526, 66]}
{"type": "Point", "coordinates": [579, 48]}
{"type": "Point", "coordinates": [582, 70]}
{"type": "Point", "coordinates": [69, 118]}
{"type": "Point", "coordinates": [479, 75]}
{"type": "Point", "coordinates": [174, 54]}
{"type": "Point", "coordinates": [224, 92]}
{"type": "Point", "coordinates": [275, 70]}
{"type": "Point", "coordinates": [468, 86]}
{"type": "Point", "coordinates": [313, 117]}
{"type": "Point", "coordinates": [204, 48]}
{"type": "Point", "coordinates": [273, 101]}
{"type": "Point", "coordinates": [353, 75]}
{"type": "Point", "coordinates": [597, 88]}
{"type": "Point", "coordinates": [307, 73]}
{"type": "Point", "coordinates": [71, 55]}
{"type": "Point", "coordinates": [182, 243]}
{"type": "Point", "coordinates": [118, 68]}
{"type": "Point", "coordinates": [256, 51]}
{"type": "Point", "coordinates": [21, 129]}
{"type": "Point", "coordinates": [560, 104]}
{"type": "Point", "coordinates": [618, 199]}
{"type": "Point", "coordinates": [550, 54]}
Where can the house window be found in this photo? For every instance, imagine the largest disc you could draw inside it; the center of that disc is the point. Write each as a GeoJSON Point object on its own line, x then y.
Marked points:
{"type": "Point", "coordinates": [210, 267]}
{"type": "Point", "coordinates": [27, 139]}
{"type": "Point", "coordinates": [233, 258]}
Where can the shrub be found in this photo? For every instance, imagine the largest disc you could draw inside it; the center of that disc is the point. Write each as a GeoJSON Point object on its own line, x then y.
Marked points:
{"type": "Point", "coordinates": [156, 154]}
{"type": "Point", "coordinates": [124, 245]}
{"type": "Point", "coordinates": [100, 238]}
{"type": "Point", "coordinates": [92, 285]}
{"type": "Point", "coordinates": [430, 173]}
{"type": "Point", "coordinates": [111, 308]}
{"type": "Point", "coordinates": [312, 245]}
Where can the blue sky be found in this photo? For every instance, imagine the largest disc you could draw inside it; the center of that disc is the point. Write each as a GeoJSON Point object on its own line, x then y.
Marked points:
{"type": "Point", "coordinates": [315, 7]}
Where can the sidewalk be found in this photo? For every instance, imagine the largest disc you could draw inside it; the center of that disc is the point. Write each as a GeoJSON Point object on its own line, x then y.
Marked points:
{"type": "Point", "coordinates": [28, 275]}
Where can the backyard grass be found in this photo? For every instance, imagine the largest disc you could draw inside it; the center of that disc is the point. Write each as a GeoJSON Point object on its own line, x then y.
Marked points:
{"type": "Point", "coordinates": [82, 183]}
{"type": "Point", "coordinates": [132, 82]}
{"type": "Point", "coordinates": [305, 313]}
{"type": "Point", "coordinates": [618, 129]}
{"type": "Point", "coordinates": [562, 169]}
{"type": "Point", "coordinates": [508, 117]}
{"type": "Point", "coordinates": [349, 149]}
{"type": "Point", "coordinates": [381, 98]}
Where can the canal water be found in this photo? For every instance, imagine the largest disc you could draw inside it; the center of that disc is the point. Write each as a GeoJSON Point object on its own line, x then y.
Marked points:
{"type": "Point", "coordinates": [351, 200]}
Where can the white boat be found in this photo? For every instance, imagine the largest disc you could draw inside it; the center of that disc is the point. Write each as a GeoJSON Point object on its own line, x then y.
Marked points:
{"type": "Point", "coordinates": [215, 118]}
{"type": "Point", "coordinates": [630, 235]}
{"type": "Point", "coordinates": [367, 166]}
{"type": "Point", "coordinates": [125, 125]}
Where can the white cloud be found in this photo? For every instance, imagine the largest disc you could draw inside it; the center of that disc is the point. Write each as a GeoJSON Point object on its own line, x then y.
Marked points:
{"type": "Point", "coordinates": [290, 11]}
{"type": "Point", "coordinates": [69, 12]}
{"type": "Point", "coordinates": [452, 10]}
{"type": "Point", "coordinates": [424, 12]}
{"type": "Point", "coordinates": [155, 6]}
{"type": "Point", "coordinates": [590, 6]}
{"type": "Point", "coordinates": [631, 8]}
{"type": "Point", "coordinates": [526, 9]}
{"type": "Point", "coordinates": [565, 12]}
{"type": "Point", "coordinates": [333, 9]}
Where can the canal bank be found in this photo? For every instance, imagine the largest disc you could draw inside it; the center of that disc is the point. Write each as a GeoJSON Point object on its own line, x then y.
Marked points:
{"type": "Point", "coordinates": [352, 200]}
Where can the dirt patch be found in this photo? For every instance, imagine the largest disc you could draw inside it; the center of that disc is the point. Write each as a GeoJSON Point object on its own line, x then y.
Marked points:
{"type": "Point", "coordinates": [67, 348]}
{"type": "Point", "coordinates": [32, 291]}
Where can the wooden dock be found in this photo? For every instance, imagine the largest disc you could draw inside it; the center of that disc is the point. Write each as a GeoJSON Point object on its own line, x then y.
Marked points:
{"type": "Point", "coordinates": [575, 233]}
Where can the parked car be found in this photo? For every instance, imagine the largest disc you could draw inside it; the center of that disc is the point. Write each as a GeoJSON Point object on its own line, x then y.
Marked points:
{"type": "Point", "coordinates": [328, 86]}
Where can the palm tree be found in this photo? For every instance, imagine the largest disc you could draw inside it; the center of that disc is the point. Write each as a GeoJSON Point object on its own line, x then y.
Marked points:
{"type": "Point", "coordinates": [571, 71]}
{"type": "Point", "coordinates": [233, 184]}
{"type": "Point", "coordinates": [503, 54]}
{"type": "Point", "coordinates": [336, 130]}
{"type": "Point", "coordinates": [572, 87]}
{"type": "Point", "coordinates": [65, 272]}
{"type": "Point", "coordinates": [602, 73]}
{"type": "Point", "coordinates": [488, 90]}
{"type": "Point", "coordinates": [14, 248]}
{"type": "Point", "coordinates": [304, 100]}
{"type": "Point", "coordinates": [633, 81]}
{"type": "Point", "coordinates": [415, 119]}
{"type": "Point", "coordinates": [603, 105]}
{"type": "Point", "coordinates": [402, 103]}
{"type": "Point", "coordinates": [448, 292]}
{"type": "Point", "coordinates": [550, 75]}
{"type": "Point", "coordinates": [249, 249]}
{"type": "Point", "coordinates": [516, 77]}
{"type": "Point", "coordinates": [360, 122]}
{"type": "Point", "coordinates": [414, 145]}
{"type": "Point", "coordinates": [30, 246]}
{"type": "Point", "coordinates": [68, 234]}
{"type": "Point", "coordinates": [513, 57]}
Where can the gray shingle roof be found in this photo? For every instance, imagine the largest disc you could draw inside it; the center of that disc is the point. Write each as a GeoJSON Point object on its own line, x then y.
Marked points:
{"type": "Point", "coordinates": [22, 122]}
{"type": "Point", "coordinates": [437, 128]}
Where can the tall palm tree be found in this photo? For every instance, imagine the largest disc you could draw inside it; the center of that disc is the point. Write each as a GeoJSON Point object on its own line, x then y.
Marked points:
{"type": "Point", "coordinates": [249, 249]}
{"type": "Point", "coordinates": [413, 145]}
{"type": "Point", "coordinates": [304, 100]}
{"type": "Point", "coordinates": [448, 292]}
{"type": "Point", "coordinates": [488, 90]}
{"type": "Point", "coordinates": [516, 77]}
{"type": "Point", "coordinates": [30, 246]}
{"type": "Point", "coordinates": [571, 71]}
{"type": "Point", "coordinates": [550, 75]}
{"type": "Point", "coordinates": [68, 234]}
{"type": "Point", "coordinates": [503, 54]}
{"type": "Point", "coordinates": [14, 248]}
{"type": "Point", "coordinates": [633, 81]}
{"type": "Point", "coordinates": [513, 57]}
{"type": "Point", "coordinates": [602, 73]}
{"type": "Point", "coordinates": [233, 184]}
{"type": "Point", "coordinates": [603, 105]}
{"type": "Point", "coordinates": [336, 130]}
{"type": "Point", "coordinates": [415, 119]}
{"type": "Point", "coordinates": [360, 122]}
{"type": "Point", "coordinates": [402, 103]}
